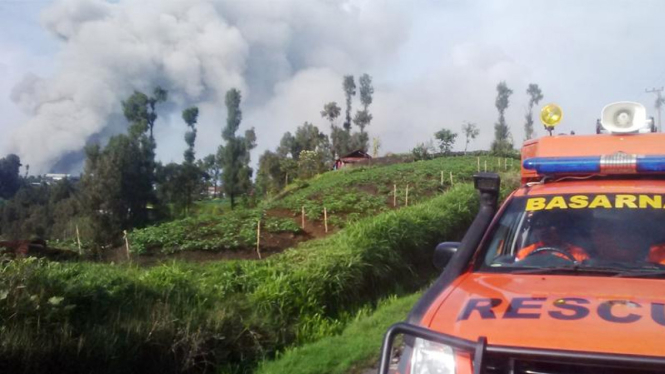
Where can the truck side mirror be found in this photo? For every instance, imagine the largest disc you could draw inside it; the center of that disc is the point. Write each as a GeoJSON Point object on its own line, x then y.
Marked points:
{"type": "Point", "coordinates": [443, 253]}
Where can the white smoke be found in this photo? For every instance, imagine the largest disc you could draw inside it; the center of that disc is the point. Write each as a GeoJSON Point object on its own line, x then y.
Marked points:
{"type": "Point", "coordinates": [197, 50]}
{"type": "Point", "coordinates": [435, 64]}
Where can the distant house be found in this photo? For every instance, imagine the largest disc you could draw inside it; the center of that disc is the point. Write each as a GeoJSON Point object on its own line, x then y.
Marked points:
{"type": "Point", "coordinates": [354, 157]}
{"type": "Point", "coordinates": [53, 178]}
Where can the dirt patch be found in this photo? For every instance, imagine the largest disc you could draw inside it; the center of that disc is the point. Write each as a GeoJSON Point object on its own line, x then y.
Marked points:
{"type": "Point", "coordinates": [369, 188]}
{"type": "Point", "coordinates": [281, 213]}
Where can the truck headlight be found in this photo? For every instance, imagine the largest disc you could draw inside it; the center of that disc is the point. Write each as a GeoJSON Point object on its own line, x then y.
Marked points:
{"type": "Point", "coordinates": [432, 358]}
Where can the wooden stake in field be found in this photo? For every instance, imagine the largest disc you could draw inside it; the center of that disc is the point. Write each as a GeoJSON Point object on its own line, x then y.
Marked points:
{"type": "Point", "coordinates": [78, 239]}
{"type": "Point", "coordinates": [406, 199]}
{"type": "Point", "coordinates": [505, 164]}
{"type": "Point", "coordinates": [258, 238]}
{"type": "Point", "coordinates": [479, 164]}
{"type": "Point", "coordinates": [485, 166]}
{"type": "Point", "coordinates": [498, 163]}
{"type": "Point", "coordinates": [451, 178]}
{"type": "Point", "coordinates": [302, 217]}
{"type": "Point", "coordinates": [124, 232]}
{"type": "Point", "coordinates": [441, 177]}
{"type": "Point", "coordinates": [394, 195]}
{"type": "Point", "coordinates": [325, 219]}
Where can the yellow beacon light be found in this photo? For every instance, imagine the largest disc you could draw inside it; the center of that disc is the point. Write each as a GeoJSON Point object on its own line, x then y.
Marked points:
{"type": "Point", "coordinates": [551, 115]}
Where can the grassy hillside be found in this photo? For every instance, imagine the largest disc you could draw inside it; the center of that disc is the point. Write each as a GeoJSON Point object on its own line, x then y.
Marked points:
{"type": "Point", "coordinates": [228, 315]}
{"type": "Point", "coordinates": [192, 317]}
{"type": "Point", "coordinates": [347, 195]}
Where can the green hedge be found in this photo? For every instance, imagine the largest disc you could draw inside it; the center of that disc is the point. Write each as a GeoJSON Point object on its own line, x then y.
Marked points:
{"type": "Point", "coordinates": [110, 318]}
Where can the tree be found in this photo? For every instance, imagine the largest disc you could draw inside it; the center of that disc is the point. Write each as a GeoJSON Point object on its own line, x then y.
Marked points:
{"type": "Point", "coordinates": [359, 141]}
{"type": "Point", "coordinates": [119, 181]}
{"type": "Point", "coordinates": [141, 113]}
{"type": "Point", "coordinates": [330, 112]}
{"type": "Point", "coordinates": [309, 138]}
{"type": "Point", "coordinates": [189, 176]}
{"type": "Point", "coordinates": [310, 163]}
{"type": "Point", "coordinates": [423, 151]}
{"type": "Point", "coordinates": [270, 177]}
{"type": "Point", "coordinates": [10, 180]}
{"type": "Point", "coordinates": [235, 154]}
{"type": "Point", "coordinates": [116, 190]}
{"type": "Point", "coordinates": [190, 116]}
{"type": "Point", "coordinates": [287, 146]}
{"type": "Point", "coordinates": [366, 90]}
{"type": "Point", "coordinates": [502, 144]}
{"type": "Point", "coordinates": [376, 145]}
{"type": "Point", "coordinates": [363, 117]}
{"type": "Point", "coordinates": [446, 140]}
{"type": "Point", "coordinates": [535, 95]}
{"type": "Point", "coordinates": [140, 109]}
{"type": "Point", "coordinates": [470, 132]}
{"type": "Point", "coordinates": [212, 167]}
{"type": "Point", "coordinates": [349, 86]}
{"type": "Point", "coordinates": [341, 142]}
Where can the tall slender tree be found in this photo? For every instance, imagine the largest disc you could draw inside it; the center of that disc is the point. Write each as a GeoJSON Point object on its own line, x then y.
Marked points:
{"type": "Point", "coordinates": [470, 132]}
{"type": "Point", "coordinates": [190, 116]}
{"type": "Point", "coordinates": [535, 95]}
{"type": "Point", "coordinates": [349, 86]}
{"type": "Point", "coordinates": [190, 174]}
{"type": "Point", "coordinates": [502, 143]}
{"type": "Point", "coordinates": [363, 117]}
{"type": "Point", "coordinates": [235, 153]}
{"type": "Point", "coordinates": [330, 112]}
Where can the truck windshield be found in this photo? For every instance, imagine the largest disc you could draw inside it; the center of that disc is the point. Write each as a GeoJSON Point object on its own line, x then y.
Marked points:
{"type": "Point", "coordinates": [602, 234]}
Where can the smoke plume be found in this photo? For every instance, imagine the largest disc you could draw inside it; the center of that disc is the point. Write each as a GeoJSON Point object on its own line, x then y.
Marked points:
{"type": "Point", "coordinates": [435, 64]}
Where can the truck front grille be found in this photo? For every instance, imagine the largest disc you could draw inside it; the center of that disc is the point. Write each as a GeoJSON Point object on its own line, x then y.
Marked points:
{"type": "Point", "coordinates": [509, 365]}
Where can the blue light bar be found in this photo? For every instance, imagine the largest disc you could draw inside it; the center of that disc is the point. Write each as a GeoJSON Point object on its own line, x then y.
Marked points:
{"type": "Point", "coordinates": [651, 164]}
{"type": "Point", "coordinates": [563, 165]}
{"type": "Point", "coordinates": [619, 163]}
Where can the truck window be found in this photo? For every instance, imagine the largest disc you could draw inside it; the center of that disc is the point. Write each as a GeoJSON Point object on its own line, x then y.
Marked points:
{"type": "Point", "coordinates": [609, 231]}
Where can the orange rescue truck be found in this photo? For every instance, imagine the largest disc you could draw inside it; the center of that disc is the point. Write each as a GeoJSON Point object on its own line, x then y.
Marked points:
{"type": "Point", "coordinates": [494, 311]}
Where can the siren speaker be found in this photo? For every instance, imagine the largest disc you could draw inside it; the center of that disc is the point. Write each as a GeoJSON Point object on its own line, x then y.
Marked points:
{"type": "Point", "coordinates": [624, 117]}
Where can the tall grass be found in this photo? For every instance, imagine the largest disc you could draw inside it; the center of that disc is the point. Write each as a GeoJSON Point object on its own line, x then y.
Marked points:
{"type": "Point", "coordinates": [182, 317]}
{"type": "Point", "coordinates": [356, 348]}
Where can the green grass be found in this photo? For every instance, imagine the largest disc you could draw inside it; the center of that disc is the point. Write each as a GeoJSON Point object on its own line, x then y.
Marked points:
{"type": "Point", "coordinates": [82, 317]}
{"type": "Point", "coordinates": [356, 348]}
{"type": "Point", "coordinates": [231, 231]}
{"type": "Point", "coordinates": [351, 193]}
{"type": "Point", "coordinates": [347, 194]}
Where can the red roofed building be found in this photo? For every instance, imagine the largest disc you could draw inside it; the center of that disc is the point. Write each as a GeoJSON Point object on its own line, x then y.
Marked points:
{"type": "Point", "coordinates": [354, 157]}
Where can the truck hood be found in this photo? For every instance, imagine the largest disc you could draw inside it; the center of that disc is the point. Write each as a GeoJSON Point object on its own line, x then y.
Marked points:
{"type": "Point", "coordinates": [580, 313]}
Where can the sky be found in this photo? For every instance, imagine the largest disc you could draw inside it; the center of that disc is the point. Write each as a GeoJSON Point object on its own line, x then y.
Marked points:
{"type": "Point", "coordinates": [66, 65]}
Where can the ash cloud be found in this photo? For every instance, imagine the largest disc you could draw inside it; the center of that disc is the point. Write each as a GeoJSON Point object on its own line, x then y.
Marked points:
{"type": "Point", "coordinates": [197, 50]}
{"type": "Point", "coordinates": [434, 64]}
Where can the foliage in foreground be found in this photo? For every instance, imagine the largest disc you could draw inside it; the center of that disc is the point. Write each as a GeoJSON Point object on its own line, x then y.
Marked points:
{"type": "Point", "coordinates": [184, 317]}
{"type": "Point", "coordinates": [357, 347]}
